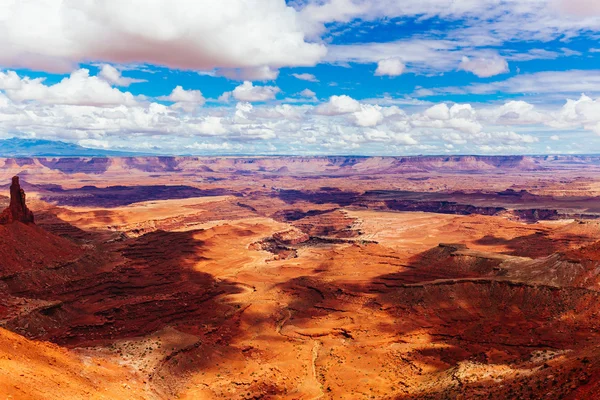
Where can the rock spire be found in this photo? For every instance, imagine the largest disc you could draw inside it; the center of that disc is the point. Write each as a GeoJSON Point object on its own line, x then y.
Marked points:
{"type": "Point", "coordinates": [17, 211]}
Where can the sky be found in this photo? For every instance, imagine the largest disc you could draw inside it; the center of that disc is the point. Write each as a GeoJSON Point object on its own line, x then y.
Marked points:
{"type": "Point", "coordinates": [304, 77]}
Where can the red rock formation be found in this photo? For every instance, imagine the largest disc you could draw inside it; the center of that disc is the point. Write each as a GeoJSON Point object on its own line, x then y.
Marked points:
{"type": "Point", "coordinates": [17, 211]}
{"type": "Point", "coordinates": [291, 237]}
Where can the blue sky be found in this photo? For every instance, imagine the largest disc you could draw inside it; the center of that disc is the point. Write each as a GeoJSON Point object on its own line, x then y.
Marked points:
{"type": "Point", "coordinates": [380, 77]}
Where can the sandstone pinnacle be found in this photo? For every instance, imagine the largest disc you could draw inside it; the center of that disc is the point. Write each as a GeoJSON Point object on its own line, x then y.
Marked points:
{"type": "Point", "coordinates": [17, 211]}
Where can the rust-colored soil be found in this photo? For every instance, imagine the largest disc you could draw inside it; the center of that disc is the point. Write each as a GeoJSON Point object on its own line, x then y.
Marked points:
{"type": "Point", "coordinates": [44, 371]}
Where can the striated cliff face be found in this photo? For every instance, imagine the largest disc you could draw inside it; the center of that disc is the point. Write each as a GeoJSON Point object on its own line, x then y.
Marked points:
{"type": "Point", "coordinates": [17, 211]}
{"type": "Point", "coordinates": [291, 165]}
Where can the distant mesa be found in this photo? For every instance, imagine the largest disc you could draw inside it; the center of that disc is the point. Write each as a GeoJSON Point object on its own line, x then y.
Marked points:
{"type": "Point", "coordinates": [17, 211]}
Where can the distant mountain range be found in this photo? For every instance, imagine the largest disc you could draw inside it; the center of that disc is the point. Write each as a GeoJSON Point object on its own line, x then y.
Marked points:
{"type": "Point", "coordinates": [25, 148]}
{"type": "Point", "coordinates": [16, 147]}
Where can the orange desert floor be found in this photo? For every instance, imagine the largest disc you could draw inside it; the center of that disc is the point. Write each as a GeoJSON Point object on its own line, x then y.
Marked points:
{"type": "Point", "coordinates": [271, 295]}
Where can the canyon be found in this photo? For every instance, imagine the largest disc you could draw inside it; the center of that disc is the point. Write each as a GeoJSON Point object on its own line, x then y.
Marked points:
{"type": "Point", "coordinates": [468, 277]}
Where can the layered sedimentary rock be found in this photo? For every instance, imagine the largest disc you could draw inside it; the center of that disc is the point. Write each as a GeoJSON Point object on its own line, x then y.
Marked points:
{"type": "Point", "coordinates": [17, 211]}
{"type": "Point", "coordinates": [291, 236]}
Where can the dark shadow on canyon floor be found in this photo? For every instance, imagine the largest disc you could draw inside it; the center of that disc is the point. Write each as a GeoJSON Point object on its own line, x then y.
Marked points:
{"type": "Point", "coordinates": [121, 290]}
{"type": "Point", "coordinates": [468, 316]}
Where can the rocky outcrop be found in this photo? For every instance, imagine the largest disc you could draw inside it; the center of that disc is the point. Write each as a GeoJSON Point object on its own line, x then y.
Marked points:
{"type": "Point", "coordinates": [335, 224]}
{"type": "Point", "coordinates": [442, 207]}
{"type": "Point", "coordinates": [291, 237]}
{"type": "Point", "coordinates": [17, 211]}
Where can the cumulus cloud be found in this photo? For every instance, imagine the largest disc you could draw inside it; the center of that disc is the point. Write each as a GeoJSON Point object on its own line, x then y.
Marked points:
{"type": "Point", "coordinates": [308, 93]}
{"type": "Point", "coordinates": [188, 100]}
{"type": "Point", "coordinates": [78, 89]}
{"type": "Point", "coordinates": [113, 76]}
{"type": "Point", "coordinates": [581, 113]}
{"type": "Point", "coordinates": [484, 67]}
{"type": "Point", "coordinates": [341, 124]}
{"type": "Point", "coordinates": [390, 67]}
{"type": "Point", "coordinates": [514, 112]}
{"type": "Point", "coordinates": [306, 77]}
{"type": "Point", "coordinates": [56, 35]}
{"type": "Point", "coordinates": [250, 93]}
{"type": "Point", "coordinates": [338, 105]}
{"type": "Point", "coordinates": [369, 115]}
{"type": "Point", "coordinates": [439, 112]}
{"type": "Point", "coordinates": [210, 126]}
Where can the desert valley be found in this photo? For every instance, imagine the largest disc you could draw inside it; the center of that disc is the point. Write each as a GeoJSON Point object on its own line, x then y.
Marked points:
{"type": "Point", "coordinates": [300, 278]}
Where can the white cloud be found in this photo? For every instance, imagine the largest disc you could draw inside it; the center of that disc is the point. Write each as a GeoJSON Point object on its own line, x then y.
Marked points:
{"type": "Point", "coordinates": [439, 111]}
{"type": "Point", "coordinates": [94, 144]}
{"type": "Point", "coordinates": [423, 55]}
{"type": "Point", "coordinates": [10, 80]}
{"type": "Point", "coordinates": [514, 112]}
{"type": "Point", "coordinates": [460, 118]}
{"type": "Point", "coordinates": [484, 67]}
{"type": "Point", "coordinates": [263, 73]}
{"type": "Point", "coordinates": [405, 139]}
{"type": "Point", "coordinates": [188, 100]}
{"type": "Point", "coordinates": [533, 54]}
{"type": "Point", "coordinates": [55, 35]}
{"type": "Point", "coordinates": [250, 93]}
{"type": "Point", "coordinates": [306, 77]}
{"type": "Point", "coordinates": [308, 93]}
{"type": "Point", "coordinates": [225, 97]}
{"type": "Point", "coordinates": [501, 149]}
{"type": "Point", "coordinates": [250, 41]}
{"type": "Point", "coordinates": [341, 124]}
{"type": "Point", "coordinates": [554, 137]}
{"type": "Point", "coordinates": [583, 8]}
{"type": "Point", "coordinates": [210, 126]}
{"type": "Point", "coordinates": [509, 137]}
{"type": "Point", "coordinates": [583, 113]}
{"type": "Point", "coordinates": [113, 76]}
{"type": "Point", "coordinates": [484, 22]}
{"type": "Point", "coordinates": [180, 95]}
{"type": "Point", "coordinates": [204, 146]}
{"type": "Point", "coordinates": [78, 89]}
{"type": "Point", "coordinates": [368, 115]}
{"type": "Point", "coordinates": [574, 81]}
{"type": "Point", "coordinates": [338, 105]}
{"type": "Point", "coordinates": [390, 67]}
